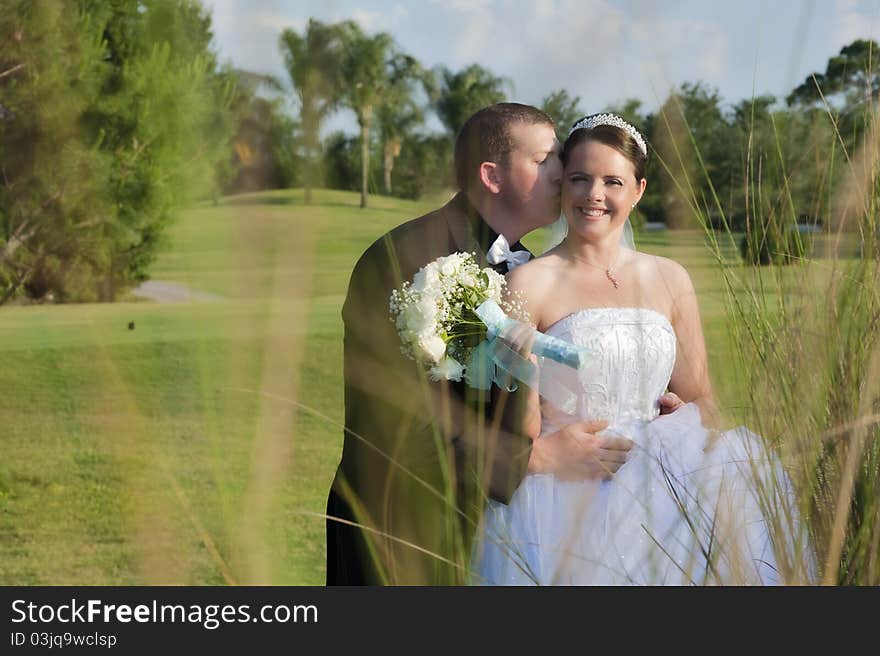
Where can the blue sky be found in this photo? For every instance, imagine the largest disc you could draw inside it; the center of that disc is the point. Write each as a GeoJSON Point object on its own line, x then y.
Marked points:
{"type": "Point", "coordinates": [599, 50]}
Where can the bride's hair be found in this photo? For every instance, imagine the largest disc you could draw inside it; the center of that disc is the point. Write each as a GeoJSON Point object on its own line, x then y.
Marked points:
{"type": "Point", "coordinates": [610, 135]}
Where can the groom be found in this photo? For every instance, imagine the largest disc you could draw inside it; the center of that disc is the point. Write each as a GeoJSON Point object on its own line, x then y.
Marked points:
{"type": "Point", "coordinates": [420, 457]}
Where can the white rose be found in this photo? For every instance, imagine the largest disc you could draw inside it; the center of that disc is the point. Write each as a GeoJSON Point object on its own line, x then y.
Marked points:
{"type": "Point", "coordinates": [449, 265]}
{"type": "Point", "coordinates": [428, 306]}
{"type": "Point", "coordinates": [447, 369]}
{"type": "Point", "coordinates": [426, 277]}
{"type": "Point", "coordinates": [421, 316]}
{"type": "Point", "coordinates": [467, 279]}
{"type": "Point", "coordinates": [433, 347]}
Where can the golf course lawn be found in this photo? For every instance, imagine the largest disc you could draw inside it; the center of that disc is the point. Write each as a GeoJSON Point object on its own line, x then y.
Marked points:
{"type": "Point", "coordinates": [193, 443]}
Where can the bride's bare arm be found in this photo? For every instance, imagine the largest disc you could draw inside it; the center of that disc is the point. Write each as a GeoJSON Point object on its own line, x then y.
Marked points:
{"type": "Point", "coordinates": [522, 409]}
{"type": "Point", "coordinates": [690, 375]}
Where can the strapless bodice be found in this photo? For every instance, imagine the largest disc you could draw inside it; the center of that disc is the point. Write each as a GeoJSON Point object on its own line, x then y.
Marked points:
{"type": "Point", "coordinates": [632, 352]}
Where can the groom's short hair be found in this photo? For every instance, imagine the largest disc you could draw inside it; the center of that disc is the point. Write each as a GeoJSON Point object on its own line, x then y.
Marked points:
{"type": "Point", "coordinates": [485, 137]}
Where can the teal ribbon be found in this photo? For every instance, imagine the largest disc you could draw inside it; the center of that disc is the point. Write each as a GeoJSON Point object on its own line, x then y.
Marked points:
{"type": "Point", "coordinates": [480, 369]}
{"type": "Point", "coordinates": [494, 361]}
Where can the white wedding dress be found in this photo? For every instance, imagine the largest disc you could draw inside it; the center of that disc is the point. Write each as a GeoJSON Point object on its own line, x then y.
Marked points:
{"type": "Point", "coordinates": [674, 514]}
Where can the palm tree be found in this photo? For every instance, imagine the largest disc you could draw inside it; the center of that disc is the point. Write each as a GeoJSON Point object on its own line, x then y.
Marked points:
{"type": "Point", "coordinates": [314, 63]}
{"type": "Point", "coordinates": [365, 68]}
{"type": "Point", "coordinates": [380, 83]}
{"type": "Point", "coordinates": [461, 94]}
{"type": "Point", "coordinates": [399, 112]}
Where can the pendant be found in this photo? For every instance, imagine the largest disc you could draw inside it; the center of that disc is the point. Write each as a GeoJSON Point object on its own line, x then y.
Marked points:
{"type": "Point", "coordinates": [611, 278]}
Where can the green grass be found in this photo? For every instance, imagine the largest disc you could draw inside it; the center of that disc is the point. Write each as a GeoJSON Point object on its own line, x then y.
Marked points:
{"type": "Point", "coordinates": [176, 452]}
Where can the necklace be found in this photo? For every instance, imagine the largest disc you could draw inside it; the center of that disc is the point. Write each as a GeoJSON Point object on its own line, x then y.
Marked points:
{"type": "Point", "coordinates": [609, 270]}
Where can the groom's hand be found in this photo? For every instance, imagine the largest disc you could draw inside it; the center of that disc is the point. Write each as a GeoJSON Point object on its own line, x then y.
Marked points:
{"type": "Point", "coordinates": [576, 453]}
{"type": "Point", "coordinates": [669, 403]}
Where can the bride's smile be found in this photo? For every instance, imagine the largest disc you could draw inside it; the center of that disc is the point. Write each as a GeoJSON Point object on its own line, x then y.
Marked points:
{"type": "Point", "coordinates": [593, 212]}
{"type": "Point", "coordinates": [599, 190]}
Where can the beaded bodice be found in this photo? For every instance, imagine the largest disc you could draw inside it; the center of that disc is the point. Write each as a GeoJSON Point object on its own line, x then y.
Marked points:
{"type": "Point", "coordinates": [632, 352]}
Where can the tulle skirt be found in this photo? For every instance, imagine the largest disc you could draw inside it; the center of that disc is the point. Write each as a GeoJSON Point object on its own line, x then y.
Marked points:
{"type": "Point", "coordinates": [688, 507]}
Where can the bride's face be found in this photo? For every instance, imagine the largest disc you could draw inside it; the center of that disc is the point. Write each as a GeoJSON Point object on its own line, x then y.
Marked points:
{"type": "Point", "coordinates": [599, 189]}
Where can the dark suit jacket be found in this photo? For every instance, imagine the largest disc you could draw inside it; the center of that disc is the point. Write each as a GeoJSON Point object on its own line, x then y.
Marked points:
{"type": "Point", "coordinates": [419, 457]}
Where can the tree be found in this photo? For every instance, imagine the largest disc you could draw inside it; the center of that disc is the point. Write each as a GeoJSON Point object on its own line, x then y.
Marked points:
{"type": "Point", "coordinates": [342, 161]}
{"type": "Point", "coordinates": [314, 63]}
{"type": "Point", "coordinates": [852, 76]}
{"type": "Point", "coordinates": [264, 146]}
{"type": "Point", "coordinates": [563, 109]}
{"type": "Point", "coordinates": [755, 158]}
{"type": "Point", "coordinates": [114, 116]}
{"type": "Point", "coordinates": [425, 166]}
{"type": "Point", "coordinates": [461, 94]}
{"type": "Point", "coordinates": [399, 113]}
{"type": "Point", "coordinates": [691, 140]}
{"type": "Point", "coordinates": [850, 85]}
{"type": "Point", "coordinates": [162, 116]}
{"type": "Point", "coordinates": [51, 192]}
{"type": "Point", "coordinates": [367, 69]}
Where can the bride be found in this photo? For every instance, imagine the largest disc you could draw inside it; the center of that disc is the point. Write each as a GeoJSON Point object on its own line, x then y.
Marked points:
{"type": "Point", "coordinates": [690, 505]}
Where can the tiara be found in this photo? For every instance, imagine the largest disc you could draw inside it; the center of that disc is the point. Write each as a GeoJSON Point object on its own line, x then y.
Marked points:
{"type": "Point", "coordinates": [590, 122]}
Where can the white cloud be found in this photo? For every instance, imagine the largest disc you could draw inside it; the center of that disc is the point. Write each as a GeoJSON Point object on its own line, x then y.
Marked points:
{"type": "Point", "coordinates": [855, 20]}
{"type": "Point", "coordinates": [370, 21]}
{"type": "Point", "coordinates": [399, 12]}
{"type": "Point", "coordinates": [463, 6]}
{"type": "Point", "coordinates": [541, 46]}
{"type": "Point", "coordinates": [277, 22]}
{"type": "Point", "coordinates": [570, 45]}
{"type": "Point", "coordinates": [674, 50]}
{"type": "Point", "coordinates": [597, 50]}
{"type": "Point", "coordinates": [601, 50]}
{"type": "Point", "coordinates": [471, 37]}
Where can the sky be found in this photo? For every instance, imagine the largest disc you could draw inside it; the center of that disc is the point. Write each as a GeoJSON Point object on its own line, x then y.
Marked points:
{"type": "Point", "coordinates": [599, 50]}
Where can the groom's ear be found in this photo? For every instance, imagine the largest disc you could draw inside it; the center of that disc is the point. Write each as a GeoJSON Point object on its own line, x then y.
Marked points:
{"type": "Point", "coordinates": [490, 176]}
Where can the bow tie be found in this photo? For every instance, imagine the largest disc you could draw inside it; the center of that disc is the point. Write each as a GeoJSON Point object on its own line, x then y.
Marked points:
{"type": "Point", "coordinates": [500, 252]}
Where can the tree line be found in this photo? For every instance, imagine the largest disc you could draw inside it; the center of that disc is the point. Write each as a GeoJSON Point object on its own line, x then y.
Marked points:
{"type": "Point", "coordinates": [114, 114]}
{"type": "Point", "coordinates": [747, 165]}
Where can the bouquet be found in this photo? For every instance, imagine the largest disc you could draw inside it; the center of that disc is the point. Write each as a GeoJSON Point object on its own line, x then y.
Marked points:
{"type": "Point", "coordinates": [435, 314]}
{"type": "Point", "coordinates": [450, 315]}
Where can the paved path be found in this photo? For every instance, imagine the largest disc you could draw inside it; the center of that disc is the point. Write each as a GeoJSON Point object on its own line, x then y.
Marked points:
{"type": "Point", "coordinates": [171, 292]}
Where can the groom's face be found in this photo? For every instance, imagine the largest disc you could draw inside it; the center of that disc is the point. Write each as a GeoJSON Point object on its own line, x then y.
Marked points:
{"type": "Point", "coordinates": [533, 174]}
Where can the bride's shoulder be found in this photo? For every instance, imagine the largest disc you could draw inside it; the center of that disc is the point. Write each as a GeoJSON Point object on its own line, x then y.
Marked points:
{"type": "Point", "coordinates": [670, 272]}
{"type": "Point", "coordinates": [536, 270]}
{"type": "Point", "coordinates": [529, 284]}
{"type": "Point", "coordinates": [551, 260]}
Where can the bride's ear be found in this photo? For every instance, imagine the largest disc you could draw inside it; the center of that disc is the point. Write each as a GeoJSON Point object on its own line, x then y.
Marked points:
{"type": "Point", "coordinates": [641, 192]}
{"type": "Point", "coordinates": [490, 176]}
